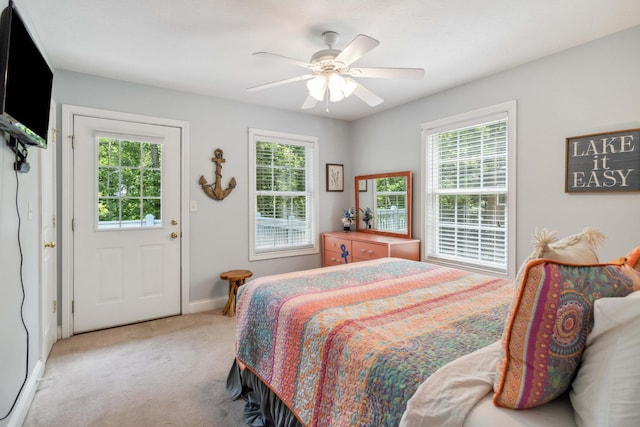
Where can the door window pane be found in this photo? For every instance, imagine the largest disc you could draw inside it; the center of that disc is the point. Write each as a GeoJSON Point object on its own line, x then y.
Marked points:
{"type": "Point", "coordinates": [151, 183]}
{"type": "Point", "coordinates": [129, 184]}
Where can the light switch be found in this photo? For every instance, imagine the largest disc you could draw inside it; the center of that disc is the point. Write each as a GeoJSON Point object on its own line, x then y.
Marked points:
{"type": "Point", "coordinates": [193, 207]}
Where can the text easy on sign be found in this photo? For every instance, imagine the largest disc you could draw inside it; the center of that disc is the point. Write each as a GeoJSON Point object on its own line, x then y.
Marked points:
{"type": "Point", "coordinates": [604, 162]}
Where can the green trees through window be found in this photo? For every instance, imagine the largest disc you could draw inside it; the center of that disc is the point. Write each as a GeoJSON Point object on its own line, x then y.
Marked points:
{"type": "Point", "coordinates": [470, 204]}
{"type": "Point", "coordinates": [283, 198]}
{"type": "Point", "coordinates": [129, 183]}
{"type": "Point", "coordinates": [281, 181]}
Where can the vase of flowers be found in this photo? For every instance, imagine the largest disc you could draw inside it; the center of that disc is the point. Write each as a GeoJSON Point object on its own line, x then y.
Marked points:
{"type": "Point", "coordinates": [348, 218]}
{"type": "Point", "coordinates": [367, 216]}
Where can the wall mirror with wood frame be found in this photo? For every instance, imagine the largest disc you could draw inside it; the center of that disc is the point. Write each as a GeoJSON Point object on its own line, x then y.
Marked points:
{"type": "Point", "coordinates": [383, 203]}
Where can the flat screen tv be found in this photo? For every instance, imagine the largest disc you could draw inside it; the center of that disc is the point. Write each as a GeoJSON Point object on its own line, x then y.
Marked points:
{"type": "Point", "coordinates": [26, 82]}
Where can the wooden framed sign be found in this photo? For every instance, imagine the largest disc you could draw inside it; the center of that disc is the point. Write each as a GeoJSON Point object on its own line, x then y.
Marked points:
{"type": "Point", "coordinates": [603, 162]}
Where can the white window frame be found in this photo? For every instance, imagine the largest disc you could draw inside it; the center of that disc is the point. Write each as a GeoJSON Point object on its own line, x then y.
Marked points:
{"type": "Point", "coordinates": [504, 110]}
{"type": "Point", "coordinates": [313, 182]}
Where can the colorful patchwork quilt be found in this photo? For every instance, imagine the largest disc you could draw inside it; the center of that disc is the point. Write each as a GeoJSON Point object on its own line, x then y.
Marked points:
{"type": "Point", "coordinates": [349, 345]}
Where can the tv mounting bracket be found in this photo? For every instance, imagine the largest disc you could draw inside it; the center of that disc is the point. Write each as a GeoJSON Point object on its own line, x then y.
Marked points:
{"type": "Point", "coordinates": [15, 142]}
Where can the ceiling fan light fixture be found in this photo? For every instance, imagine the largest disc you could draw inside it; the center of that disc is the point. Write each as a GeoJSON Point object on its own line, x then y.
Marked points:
{"type": "Point", "coordinates": [329, 73]}
{"type": "Point", "coordinates": [336, 87]}
{"type": "Point", "coordinates": [335, 96]}
{"type": "Point", "coordinates": [349, 86]}
{"type": "Point", "coordinates": [317, 86]}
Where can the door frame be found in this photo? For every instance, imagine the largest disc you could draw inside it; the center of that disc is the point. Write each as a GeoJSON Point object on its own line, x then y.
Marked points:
{"type": "Point", "coordinates": [48, 306]}
{"type": "Point", "coordinates": [67, 173]}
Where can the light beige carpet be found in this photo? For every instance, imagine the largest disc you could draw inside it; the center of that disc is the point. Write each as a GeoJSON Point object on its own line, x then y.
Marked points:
{"type": "Point", "coordinates": [165, 372]}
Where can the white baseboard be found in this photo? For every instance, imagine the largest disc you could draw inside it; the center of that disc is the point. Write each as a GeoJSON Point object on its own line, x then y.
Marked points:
{"type": "Point", "coordinates": [207, 305]}
{"type": "Point", "coordinates": [26, 397]}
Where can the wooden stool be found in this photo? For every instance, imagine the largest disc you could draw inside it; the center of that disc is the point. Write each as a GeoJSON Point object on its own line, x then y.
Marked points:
{"type": "Point", "coordinates": [236, 279]}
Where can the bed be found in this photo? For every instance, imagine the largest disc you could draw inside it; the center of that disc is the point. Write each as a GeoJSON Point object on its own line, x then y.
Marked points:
{"type": "Point", "coordinates": [357, 344]}
{"type": "Point", "coordinates": [337, 345]}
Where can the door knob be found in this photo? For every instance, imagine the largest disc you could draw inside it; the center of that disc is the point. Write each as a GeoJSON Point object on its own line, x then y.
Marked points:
{"type": "Point", "coordinates": [50, 244]}
{"type": "Point", "coordinates": [174, 235]}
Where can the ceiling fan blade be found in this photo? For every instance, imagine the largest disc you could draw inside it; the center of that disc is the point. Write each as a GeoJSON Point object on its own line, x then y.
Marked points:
{"type": "Point", "coordinates": [387, 73]}
{"type": "Point", "coordinates": [310, 102]}
{"type": "Point", "coordinates": [366, 95]}
{"type": "Point", "coordinates": [280, 82]}
{"type": "Point", "coordinates": [284, 58]}
{"type": "Point", "coordinates": [354, 50]}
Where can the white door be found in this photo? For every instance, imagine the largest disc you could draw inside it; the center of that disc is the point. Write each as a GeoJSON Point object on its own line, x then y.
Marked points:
{"type": "Point", "coordinates": [48, 224]}
{"type": "Point", "coordinates": [126, 222]}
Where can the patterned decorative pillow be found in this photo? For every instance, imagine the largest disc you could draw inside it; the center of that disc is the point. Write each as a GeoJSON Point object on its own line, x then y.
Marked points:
{"type": "Point", "coordinates": [576, 249]}
{"type": "Point", "coordinates": [547, 327]}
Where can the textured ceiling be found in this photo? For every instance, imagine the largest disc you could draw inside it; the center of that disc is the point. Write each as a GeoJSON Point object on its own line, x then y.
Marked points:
{"type": "Point", "coordinates": [205, 46]}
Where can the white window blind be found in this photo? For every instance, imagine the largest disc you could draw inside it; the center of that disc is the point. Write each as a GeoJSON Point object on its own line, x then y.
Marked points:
{"type": "Point", "coordinates": [467, 193]}
{"type": "Point", "coordinates": [284, 196]}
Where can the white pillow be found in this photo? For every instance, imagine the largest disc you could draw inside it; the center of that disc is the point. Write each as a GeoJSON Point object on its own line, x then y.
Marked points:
{"type": "Point", "coordinates": [579, 248]}
{"type": "Point", "coordinates": [606, 390]}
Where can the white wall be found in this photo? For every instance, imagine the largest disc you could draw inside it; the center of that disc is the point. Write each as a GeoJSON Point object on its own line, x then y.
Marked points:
{"type": "Point", "coordinates": [13, 337]}
{"type": "Point", "coordinates": [587, 89]}
{"type": "Point", "coordinates": [219, 229]}
{"type": "Point", "coordinates": [13, 311]}
{"type": "Point", "coordinates": [592, 88]}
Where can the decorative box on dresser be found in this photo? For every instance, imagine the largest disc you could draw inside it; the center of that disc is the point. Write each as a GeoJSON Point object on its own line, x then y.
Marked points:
{"type": "Point", "coordinates": [366, 246]}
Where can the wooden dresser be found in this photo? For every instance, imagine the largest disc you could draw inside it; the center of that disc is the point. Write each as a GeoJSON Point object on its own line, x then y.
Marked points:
{"type": "Point", "coordinates": [365, 246]}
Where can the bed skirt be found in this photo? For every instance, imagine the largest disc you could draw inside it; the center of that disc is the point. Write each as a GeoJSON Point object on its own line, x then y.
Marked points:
{"type": "Point", "coordinates": [263, 407]}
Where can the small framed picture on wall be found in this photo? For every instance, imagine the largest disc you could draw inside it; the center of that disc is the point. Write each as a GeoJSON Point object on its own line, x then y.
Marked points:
{"type": "Point", "coordinates": [335, 177]}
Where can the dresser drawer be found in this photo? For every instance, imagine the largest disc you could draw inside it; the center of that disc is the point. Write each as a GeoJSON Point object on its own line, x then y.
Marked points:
{"type": "Point", "coordinates": [333, 258]}
{"type": "Point", "coordinates": [334, 244]}
{"type": "Point", "coordinates": [367, 250]}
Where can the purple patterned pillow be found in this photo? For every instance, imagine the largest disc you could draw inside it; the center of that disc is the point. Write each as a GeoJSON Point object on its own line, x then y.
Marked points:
{"type": "Point", "coordinates": [547, 328]}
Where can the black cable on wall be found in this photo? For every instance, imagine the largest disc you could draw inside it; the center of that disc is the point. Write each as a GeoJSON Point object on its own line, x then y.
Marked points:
{"type": "Point", "coordinates": [26, 370]}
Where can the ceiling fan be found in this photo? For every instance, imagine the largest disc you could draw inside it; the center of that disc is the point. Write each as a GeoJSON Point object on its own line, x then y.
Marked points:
{"type": "Point", "coordinates": [332, 74]}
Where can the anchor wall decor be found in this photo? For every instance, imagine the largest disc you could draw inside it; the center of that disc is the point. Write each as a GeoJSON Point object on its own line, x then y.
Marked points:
{"type": "Point", "coordinates": [215, 190]}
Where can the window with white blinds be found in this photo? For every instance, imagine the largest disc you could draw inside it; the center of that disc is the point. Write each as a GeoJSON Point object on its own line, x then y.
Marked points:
{"type": "Point", "coordinates": [283, 194]}
{"type": "Point", "coordinates": [469, 201]}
